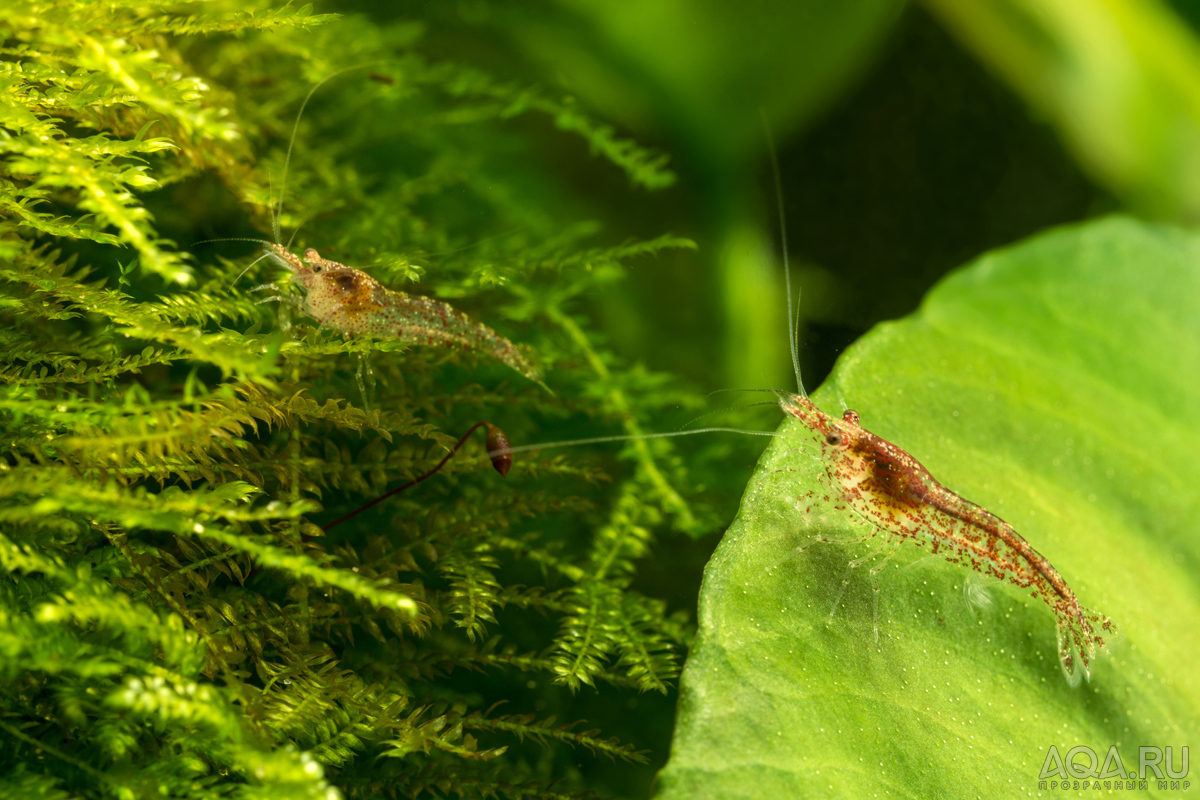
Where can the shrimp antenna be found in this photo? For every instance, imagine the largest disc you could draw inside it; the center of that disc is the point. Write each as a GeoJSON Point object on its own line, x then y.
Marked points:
{"type": "Point", "coordinates": [625, 438]}
{"type": "Point", "coordinates": [239, 239]}
{"type": "Point", "coordinates": [793, 321]}
{"type": "Point", "coordinates": [500, 453]}
{"type": "Point", "coordinates": [232, 239]}
{"type": "Point", "coordinates": [766, 391]}
{"type": "Point", "coordinates": [708, 414]}
{"type": "Point", "coordinates": [292, 142]}
{"type": "Point", "coordinates": [296, 232]}
{"type": "Point", "coordinates": [478, 242]}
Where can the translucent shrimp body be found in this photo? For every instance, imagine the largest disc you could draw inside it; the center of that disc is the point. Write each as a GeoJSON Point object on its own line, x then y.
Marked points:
{"type": "Point", "coordinates": [892, 491]}
{"type": "Point", "coordinates": [351, 301]}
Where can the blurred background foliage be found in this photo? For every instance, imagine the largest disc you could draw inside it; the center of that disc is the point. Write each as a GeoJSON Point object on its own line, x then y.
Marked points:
{"type": "Point", "coordinates": [912, 138]}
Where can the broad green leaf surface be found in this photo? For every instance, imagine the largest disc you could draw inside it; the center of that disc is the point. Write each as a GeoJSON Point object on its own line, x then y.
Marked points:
{"type": "Point", "coordinates": [1056, 383]}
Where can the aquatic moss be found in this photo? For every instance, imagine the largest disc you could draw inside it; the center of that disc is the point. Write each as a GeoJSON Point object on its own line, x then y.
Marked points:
{"type": "Point", "coordinates": [173, 620]}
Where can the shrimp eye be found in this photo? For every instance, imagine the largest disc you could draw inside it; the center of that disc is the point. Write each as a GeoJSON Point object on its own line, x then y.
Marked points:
{"type": "Point", "coordinates": [834, 438]}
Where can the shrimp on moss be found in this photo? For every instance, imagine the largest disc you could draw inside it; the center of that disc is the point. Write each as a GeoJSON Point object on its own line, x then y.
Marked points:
{"type": "Point", "coordinates": [351, 301]}
{"type": "Point", "coordinates": [348, 300]}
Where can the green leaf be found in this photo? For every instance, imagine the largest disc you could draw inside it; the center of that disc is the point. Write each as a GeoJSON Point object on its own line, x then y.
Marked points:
{"type": "Point", "coordinates": [1057, 384]}
{"type": "Point", "coordinates": [1120, 80]}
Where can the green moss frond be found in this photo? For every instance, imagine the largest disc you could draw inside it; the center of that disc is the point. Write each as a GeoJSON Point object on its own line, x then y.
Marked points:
{"type": "Point", "coordinates": [173, 618]}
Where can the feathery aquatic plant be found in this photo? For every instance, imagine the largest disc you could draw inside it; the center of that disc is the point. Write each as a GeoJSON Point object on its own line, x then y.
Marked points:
{"type": "Point", "coordinates": [173, 621]}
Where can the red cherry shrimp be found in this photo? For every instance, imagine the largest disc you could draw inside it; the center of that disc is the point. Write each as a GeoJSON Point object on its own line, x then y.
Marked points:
{"type": "Point", "coordinates": [894, 494]}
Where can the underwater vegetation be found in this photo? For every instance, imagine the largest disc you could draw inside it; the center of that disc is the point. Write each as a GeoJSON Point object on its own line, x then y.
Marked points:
{"type": "Point", "coordinates": [557, 218]}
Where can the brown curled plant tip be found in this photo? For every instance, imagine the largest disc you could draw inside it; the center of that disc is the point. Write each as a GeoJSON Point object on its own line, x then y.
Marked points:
{"type": "Point", "coordinates": [498, 450]}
